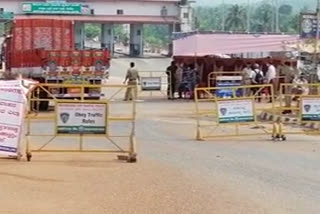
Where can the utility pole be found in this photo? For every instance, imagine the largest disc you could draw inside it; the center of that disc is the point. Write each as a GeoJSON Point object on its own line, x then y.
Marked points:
{"type": "Point", "coordinates": [273, 17]}
{"type": "Point", "coordinates": [313, 77]}
{"type": "Point", "coordinates": [223, 16]}
{"type": "Point", "coordinates": [277, 15]}
{"type": "Point", "coordinates": [248, 17]}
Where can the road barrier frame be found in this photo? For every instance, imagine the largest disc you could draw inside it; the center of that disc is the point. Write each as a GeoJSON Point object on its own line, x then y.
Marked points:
{"type": "Point", "coordinates": [129, 154]}
{"type": "Point", "coordinates": [212, 98]}
{"type": "Point", "coordinates": [286, 93]}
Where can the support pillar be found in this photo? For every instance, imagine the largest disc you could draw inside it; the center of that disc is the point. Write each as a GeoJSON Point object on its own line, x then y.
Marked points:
{"type": "Point", "coordinates": [136, 40]}
{"type": "Point", "coordinates": [170, 47]}
{"type": "Point", "coordinates": [79, 35]}
{"type": "Point", "coordinates": [107, 37]}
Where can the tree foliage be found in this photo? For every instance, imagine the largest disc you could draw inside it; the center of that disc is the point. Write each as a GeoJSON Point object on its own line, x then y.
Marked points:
{"type": "Point", "coordinates": [92, 30]}
{"type": "Point", "coordinates": [262, 18]}
{"type": "Point", "coordinates": [1, 29]}
{"type": "Point", "coordinates": [236, 17]}
{"type": "Point", "coordinates": [156, 35]}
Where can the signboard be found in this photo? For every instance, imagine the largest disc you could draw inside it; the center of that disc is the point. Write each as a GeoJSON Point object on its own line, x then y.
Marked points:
{"type": "Point", "coordinates": [6, 15]}
{"type": "Point", "coordinates": [12, 103]}
{"type": "Point", "coordinates": [308, 26]}
{"type": "Point", "coordinates": [81, 118]}
{"type": "Point", "coordinates": [228, 81]}
{"type": "Point", "coordinates": [310, 109]}
{"type": "Point", "coordinates": [151, 83]}
{"type": "Point", "coordinates": [236, 111]}
{"type": "Point", "coordinates": [54, 8]}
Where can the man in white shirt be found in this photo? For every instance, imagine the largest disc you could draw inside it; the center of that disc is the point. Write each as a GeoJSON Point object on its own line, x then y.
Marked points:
{"type": "Point", "coordinates": [271, 73]}
{"type": "Point", "coordinates": [271, 77]}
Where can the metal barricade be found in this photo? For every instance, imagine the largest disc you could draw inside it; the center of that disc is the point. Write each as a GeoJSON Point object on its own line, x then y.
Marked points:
{"type": "Point", "coordinates": [153, 83]}
{"type": "Point", "coordinates": [300, 106]}
{"type": "Point", "coordinates": [2, 70]}
{"type": "Point", "coordinates": [234, 115]}
{"type": "Point", "coordinates": [83, 122]}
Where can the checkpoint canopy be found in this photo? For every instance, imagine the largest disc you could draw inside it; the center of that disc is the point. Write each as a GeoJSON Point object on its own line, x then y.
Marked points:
{"type": "Point", "coordinates": [195, 44]}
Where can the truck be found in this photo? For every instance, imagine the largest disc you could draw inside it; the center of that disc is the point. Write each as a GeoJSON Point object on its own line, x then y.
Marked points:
{"type": "Point", "coordinates": [44, 50]}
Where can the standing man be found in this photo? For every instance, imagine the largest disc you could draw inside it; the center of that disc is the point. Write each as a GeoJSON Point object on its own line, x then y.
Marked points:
{"type": "Point", "coordinates": [257, 79]}
{"type": "Point", "coordinates": [132, 79]}
{"type": "Point", "coordinates": [179, 78]}
{"type": "Point", "coordinates": [172, 80]}
{"type": "Point", "coordinates": [271, 77]}
{"type": "Point", "coordinates": [290, 74]}
{"type": "Point", "coordinates": [247, 74]}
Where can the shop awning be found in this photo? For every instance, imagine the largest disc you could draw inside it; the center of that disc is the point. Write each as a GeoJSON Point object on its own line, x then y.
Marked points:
{"type": "Point", "coordinates": [213, 44]}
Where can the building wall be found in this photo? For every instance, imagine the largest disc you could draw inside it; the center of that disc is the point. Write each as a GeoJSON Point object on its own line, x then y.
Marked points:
{"type": "Point", "coordinates": [131, 8]}
{"type": "Point", "coordinates": [11, 5]}
{"type": "Point", "coordinates": [186, 18]}
{"type": "Point", "coordinates": [110, 8]}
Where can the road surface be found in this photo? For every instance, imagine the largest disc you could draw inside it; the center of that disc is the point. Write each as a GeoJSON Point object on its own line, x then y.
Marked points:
{"type": "Point", "coordinates": [174, 173]}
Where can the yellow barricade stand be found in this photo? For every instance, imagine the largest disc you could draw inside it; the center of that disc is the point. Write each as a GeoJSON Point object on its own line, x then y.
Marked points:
{"type": "Point", "coordinates": [300, 106]}
{"type": "Point", "coordinates": [235, 114]}
{"type": "Point", "coordinates": [81, 122]}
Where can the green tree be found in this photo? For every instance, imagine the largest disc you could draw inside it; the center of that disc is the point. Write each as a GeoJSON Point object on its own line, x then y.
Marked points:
{"type": "Point", "coordinates": [120, 35]}
{"type": "Point", "coordinates": [285, 9]}
{"type": "Point", "coordinates": [209, 18]}
{"type": "Point", "coordinates": [92, 30]}
{"type": "Point", "coordinates": [156, 35]}
{"type": "Point", "coordinates": [263, 16]}
{"type": "Point", "coordinates": [1, 29]}
{"type": "Point", "coordinates": [236, 18]}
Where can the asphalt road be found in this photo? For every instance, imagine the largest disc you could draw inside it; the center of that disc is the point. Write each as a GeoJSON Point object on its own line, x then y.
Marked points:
{"type": "Point", "coordinates": [280, 177]}
{"type": "Point", "coordinates": [174, 173]}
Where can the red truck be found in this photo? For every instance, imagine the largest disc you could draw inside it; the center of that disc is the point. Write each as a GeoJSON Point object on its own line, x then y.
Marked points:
{"type": "Point", "coordinates": [43, 49]}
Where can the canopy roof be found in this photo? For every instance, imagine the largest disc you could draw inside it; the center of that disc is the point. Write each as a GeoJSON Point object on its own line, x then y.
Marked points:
{"type": "Point", "coordinates": [212, 44]}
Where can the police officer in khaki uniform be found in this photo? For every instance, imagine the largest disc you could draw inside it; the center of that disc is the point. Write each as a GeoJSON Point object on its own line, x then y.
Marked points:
{"type": "Point", "coordinates": [247, 74]}
{"type": "Point", "coordinates": [132, 78]}
{"type": "Point", "coordinates": [290, 73]}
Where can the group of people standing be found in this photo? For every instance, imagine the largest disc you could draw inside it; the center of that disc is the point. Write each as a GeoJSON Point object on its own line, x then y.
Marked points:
{"type": "Point", "coordinates": [183, 79]}
{"type": "Point", "coordinates": [253, 75]}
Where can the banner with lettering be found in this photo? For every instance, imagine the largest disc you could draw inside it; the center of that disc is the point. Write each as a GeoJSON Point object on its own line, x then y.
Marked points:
{"type": "Point", "coordinates": [81, 118]}
{"type": "Point", "coordinates": [12, 112]}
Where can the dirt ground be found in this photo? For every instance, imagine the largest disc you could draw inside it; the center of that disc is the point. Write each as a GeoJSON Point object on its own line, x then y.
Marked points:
{"type": "Point", "coordinates": [98, 184]}
{"type": "Point", "coordinates": [174, 173]}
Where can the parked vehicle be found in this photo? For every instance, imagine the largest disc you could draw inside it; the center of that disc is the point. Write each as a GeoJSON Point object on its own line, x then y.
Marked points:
{"type": "Point", "coordinates": [44, 50]}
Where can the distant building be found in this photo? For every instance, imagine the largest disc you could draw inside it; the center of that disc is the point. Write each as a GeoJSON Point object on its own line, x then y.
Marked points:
{"type": "Point", "coordinates": [177, 14]}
